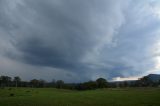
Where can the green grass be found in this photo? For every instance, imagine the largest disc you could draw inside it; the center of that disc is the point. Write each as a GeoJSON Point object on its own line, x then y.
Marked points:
{"type": "Point", "coordinates": [100, 97]}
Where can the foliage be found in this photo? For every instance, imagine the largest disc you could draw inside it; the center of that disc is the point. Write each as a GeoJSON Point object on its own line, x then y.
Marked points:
{"type": "Point", "coordinates": [101, 83]}
{"type": "Point", "coordinates": [6, 81]}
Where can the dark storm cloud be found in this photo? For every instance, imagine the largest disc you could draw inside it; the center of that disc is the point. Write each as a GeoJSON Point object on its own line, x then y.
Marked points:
{"type": "Point", "coordinates": [60, 35]}
{"type": "Point", "coordinates": [85, 38]}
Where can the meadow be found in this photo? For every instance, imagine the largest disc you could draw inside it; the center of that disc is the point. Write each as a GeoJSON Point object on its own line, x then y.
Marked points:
{"type": "Point", "coordinates": [99, 97]}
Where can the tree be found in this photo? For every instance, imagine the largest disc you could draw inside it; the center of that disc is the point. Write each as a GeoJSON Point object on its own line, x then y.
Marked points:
{"type": "Point", "coordinates": [89, 85]}
{"type": "Point", "coordinates": [145, 81]}
{"type": "Point", "coordinates": [17, 80]}
{"type": "Point", "coordinates": [126, 84]}
{"type": "Point", "coordinates": [59, 84]}
{"type": "Point", "coordinates": [53, 82]}
{"type": "Point", "coordinates": [42, 83]}
{"type": "Point", "coordinates": [5, 81]}
{"type": "Point", "coordinates": [34, 83]}
{"type": "Point", "coordinates": [101, 83]}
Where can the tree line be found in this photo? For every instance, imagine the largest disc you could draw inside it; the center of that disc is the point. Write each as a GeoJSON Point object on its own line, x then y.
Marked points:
{"type": "Point", "coordinates": [6, 81]}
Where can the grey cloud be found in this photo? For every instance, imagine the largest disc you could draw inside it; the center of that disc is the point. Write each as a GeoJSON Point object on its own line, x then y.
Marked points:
{"type": "Point", "coordinates": [86, 38]}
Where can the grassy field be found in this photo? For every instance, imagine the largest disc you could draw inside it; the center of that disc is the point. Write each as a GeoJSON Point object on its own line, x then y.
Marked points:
{"type": "Point", "coordinates": [101, 97]}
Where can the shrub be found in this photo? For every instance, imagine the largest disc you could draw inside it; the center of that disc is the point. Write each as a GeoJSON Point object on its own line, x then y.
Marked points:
{"type": "Point", "coordinates": [12, 94]}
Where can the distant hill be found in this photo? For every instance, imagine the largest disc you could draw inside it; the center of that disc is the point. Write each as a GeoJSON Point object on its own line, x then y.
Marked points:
{"type": "Point", "coordinates": [154, 77]}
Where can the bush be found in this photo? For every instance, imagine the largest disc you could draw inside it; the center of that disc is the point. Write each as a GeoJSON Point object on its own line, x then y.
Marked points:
{"type": "Point", "coordinates": [28, 91]}
{"type": "Point", "coordinates": [9, 88]}
{"type": "Point", "coordinates": [12, 94]}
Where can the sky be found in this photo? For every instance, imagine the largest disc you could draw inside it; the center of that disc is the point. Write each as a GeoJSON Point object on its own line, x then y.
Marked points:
{"type": "Point", "coordinates": [79, 40]}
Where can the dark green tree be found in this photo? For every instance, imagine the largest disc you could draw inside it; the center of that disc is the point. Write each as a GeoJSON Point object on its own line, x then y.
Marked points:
{"type": "Point", "coordinates": [89, 85]}
{"type": "Point", "coordinates": [42, 83]}
{"type": "Point", "coordinates": [34, 83]}
{"type": "Point", "coordinates": [145, 81]}
{"type": "Point", "coordinates": [5, 81]}
{"type": "Point", "coordinates": [125, 84]}
{"type": "Point", "coordinates": [59, 84]}
{"type": "Point", "coordinates": [101, 83]}
{"type": "Point", "coordinates": [17, 80]}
